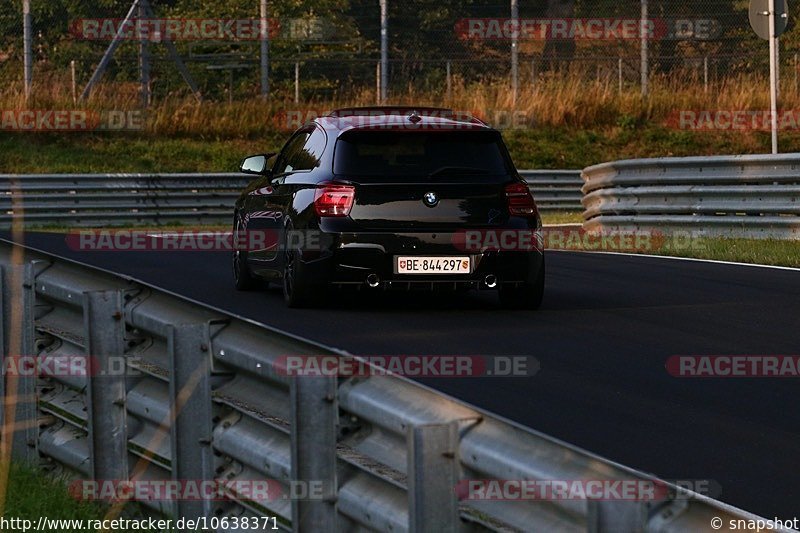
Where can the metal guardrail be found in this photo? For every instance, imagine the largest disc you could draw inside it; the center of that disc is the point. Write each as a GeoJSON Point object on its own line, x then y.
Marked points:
{"type": "Point", "coordinates": [555, 190]}
{"type": "Point", "coordinates": [205, 399]}
{"type": "Point", "coordinates": [756, 196]}
{"type": "Point", "coordinates": [101, 199]}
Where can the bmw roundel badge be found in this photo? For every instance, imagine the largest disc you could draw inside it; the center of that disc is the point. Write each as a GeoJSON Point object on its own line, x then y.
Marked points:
{"type": "Point", "coordinates": [431, 199]}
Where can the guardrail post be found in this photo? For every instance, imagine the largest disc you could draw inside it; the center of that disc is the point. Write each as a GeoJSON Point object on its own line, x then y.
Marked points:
{"type": "Point", "coordinates": [104, 328]}
{"type": "Point", "coordinates": [432, 478]}
{"type": "Point", "coordinates": [5, 324]}
{"type": "Point", "coordinates": [315, 415]}
{"type": "Point", "coordinates": [191, 424]}
{"type": "Point", "coordinates": [18, 339]}
{"type": "Point", "coordinates": [609, 516]}
{"type": "Point", "coordinates": [5, 310]}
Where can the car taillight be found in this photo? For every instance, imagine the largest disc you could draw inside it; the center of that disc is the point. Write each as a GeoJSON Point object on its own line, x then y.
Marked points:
{"type": "Point", "coordinates": [334, 200]}
{"type": "Point", "coordinates": [520, 201]}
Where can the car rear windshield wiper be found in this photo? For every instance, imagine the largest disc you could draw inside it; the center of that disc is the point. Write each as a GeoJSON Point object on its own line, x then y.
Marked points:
{"type": "Point", "coordinates": [458, 170]}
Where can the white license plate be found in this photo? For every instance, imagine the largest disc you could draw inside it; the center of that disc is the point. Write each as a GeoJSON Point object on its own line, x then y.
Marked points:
{"type": "Point", "coordinates": [433, 265]}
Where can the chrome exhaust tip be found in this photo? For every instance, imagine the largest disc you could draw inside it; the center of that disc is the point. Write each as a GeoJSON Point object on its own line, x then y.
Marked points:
{"type": "Point", "coordinates": [490, 281]}
{"type": "Point", "coordinates": [373, 281]}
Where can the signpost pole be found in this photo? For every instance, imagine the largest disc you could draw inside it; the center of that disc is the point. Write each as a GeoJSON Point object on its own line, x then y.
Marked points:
{"type": "Point", "coordinates": [773, 77]}
{"type": "Point", "coordinates": [777, 13]}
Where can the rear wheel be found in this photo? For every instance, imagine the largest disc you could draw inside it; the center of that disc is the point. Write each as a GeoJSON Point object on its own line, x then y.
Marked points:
{"type": "Point", "coordinates": [242, 278]}
{"type": "Point", "coordinates": [527, 296]}
{"type": "Point", "coordinates": [298, 289]}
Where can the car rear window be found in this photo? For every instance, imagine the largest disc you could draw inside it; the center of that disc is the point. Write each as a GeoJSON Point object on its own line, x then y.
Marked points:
{"type": "Point", "coordinates": [392, 153]}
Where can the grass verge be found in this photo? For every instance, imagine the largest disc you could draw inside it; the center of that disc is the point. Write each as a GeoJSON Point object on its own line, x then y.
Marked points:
{"type": "Point", "coordinates": [553, 218]}
{"type": "Point", "coordinates": [548, 147]}
{"type": "Point", "coordinates": [755, 251]}
{"type": "Point", "coordinates": [33, 494]}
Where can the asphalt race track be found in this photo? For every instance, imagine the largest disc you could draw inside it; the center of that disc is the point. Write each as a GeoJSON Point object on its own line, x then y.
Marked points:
{"type": "Point", "coordinates": [608, 325]}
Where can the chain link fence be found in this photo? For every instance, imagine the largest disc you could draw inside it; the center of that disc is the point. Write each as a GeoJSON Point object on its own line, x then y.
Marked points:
{"type": "Point", "coordinates": [331, 49]}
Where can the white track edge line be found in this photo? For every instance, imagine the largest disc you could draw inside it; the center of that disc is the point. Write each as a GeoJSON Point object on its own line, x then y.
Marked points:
{"type": "Point", "coordinates": [672, 257]}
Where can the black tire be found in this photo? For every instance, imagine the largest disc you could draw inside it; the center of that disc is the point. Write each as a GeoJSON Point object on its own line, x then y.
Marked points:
{"type": "Point", "coordinates": [528, 296]}
{"type": "Point", "coordinates": [298, 289]}
{"type": "Point", "coordinates": [243, 280]}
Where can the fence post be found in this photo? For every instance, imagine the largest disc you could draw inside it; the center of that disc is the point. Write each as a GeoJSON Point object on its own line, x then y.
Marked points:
{"type": "Point", "coordinates": [449, 82]}
{"type": "Point", "coordinates": [778, 63]}
{"type": "Point", "coordinates": [514, 50]}
{"type": "Point", "coordinates": [705, 74]}
{"type": "Point", "coordinates": [384, 50]}
{"type": "Point", "coordinates": [378, 84]}
{"type": "Point", "coordinates": [432, 477]}
{"type": "Point", "coordinates": [315, 415]}
{"type": "Point", "coordinates": [191, 424]}
{"type": "Point", "coordinates": [296, 82]}
{"type": "Point", "coordinates": [619, 74]}
{"type": "Point", "coordinates": [27, 31]}
{"type": "Point", "coordinates": [74, 82]}
{"type": "Point", "coordinates": [264, 38]}
{"type": "Point", "coordinates": [643, 26]}
{"type": "Point", "coordinates": [104, 331]}
{"type": "Point", "coordinates": [144, 58]}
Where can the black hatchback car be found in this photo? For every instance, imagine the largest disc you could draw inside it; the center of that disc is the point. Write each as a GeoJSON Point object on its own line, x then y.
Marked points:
{"type": "Point", "coordinates": [382, 198]}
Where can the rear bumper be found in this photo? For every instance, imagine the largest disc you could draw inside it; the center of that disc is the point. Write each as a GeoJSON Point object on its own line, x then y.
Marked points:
{"type": "Point", "coordinates": [350, 258]}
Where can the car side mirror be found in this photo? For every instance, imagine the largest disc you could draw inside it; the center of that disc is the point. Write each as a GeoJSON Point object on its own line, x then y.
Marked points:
{"type": "Point", "coordinates": [256, 164]}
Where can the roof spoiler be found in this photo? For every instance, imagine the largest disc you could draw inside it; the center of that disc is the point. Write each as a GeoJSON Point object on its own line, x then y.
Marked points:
{"type": "Point", "coordinates": [391, 110]}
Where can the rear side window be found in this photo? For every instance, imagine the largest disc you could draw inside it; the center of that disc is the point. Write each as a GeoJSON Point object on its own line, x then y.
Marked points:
{"type": "Point", "coordinates": [382, 153]}
{"type": "Point", "coordinates": [313, 149]}
{"type": "Point", "coordinates": [303, 152]}
{"type": "Point", "coordinates": [290, 158]}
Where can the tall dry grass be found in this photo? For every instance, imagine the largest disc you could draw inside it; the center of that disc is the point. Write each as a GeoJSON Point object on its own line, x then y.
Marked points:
{"type": "Point", "coordinates": [552, 101]}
